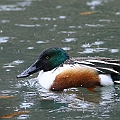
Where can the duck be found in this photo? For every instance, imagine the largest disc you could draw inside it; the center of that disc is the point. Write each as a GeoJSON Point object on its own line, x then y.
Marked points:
{"type": "Point", "coordinates": [57, 71]}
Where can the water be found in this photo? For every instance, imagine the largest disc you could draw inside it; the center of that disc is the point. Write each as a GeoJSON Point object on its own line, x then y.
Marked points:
{"type": "Point", "coordinates": [82, 28]}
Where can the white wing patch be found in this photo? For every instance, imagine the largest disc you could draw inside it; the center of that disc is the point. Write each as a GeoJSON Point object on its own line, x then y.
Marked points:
{"type": "Point", "coordinates": [106, 80]}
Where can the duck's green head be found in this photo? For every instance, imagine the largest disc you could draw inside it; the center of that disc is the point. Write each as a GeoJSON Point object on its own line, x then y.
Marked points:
{"type": "Point", "coordinates": [49, 59]}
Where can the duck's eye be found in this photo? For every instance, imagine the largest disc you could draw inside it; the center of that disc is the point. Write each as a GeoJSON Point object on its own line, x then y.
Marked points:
{"type": "Point", "coordinates": [47, 57]}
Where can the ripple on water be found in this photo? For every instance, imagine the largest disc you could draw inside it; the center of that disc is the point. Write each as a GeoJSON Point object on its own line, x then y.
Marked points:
{"type": "Point", "coordinates": [7, 92]}
{"type": "Point", "coordinates": [90, 48]}
{"type": "Point", "coordinates": [75, 27]}
{"type": "Point", "coordinates": [34, 18]}
{"type": "Point", "coordinates": [30, 48]}
{"type": "Point", "coordinates": [26, 105]}
{"type": "Point", "coordinates": [117, 13]}
{"type": "Point", "coordinates": [23, 117]}
{"type": "Point", "coordinates": [62, 17]}
{"type": "Point", "coordinates": [40, 41]}
{"type": "Point", "coordinates": [98, 43]}
{"type": "Point", "coordinates": [104, 20]}
{"type": "Point", "coordinates": [5, 21]}
{"type": "Point", "coordinates": [10, 8]}
{"type": "Point", "coordinates": [93, 50]}
{"type": "Point", "coordinates": [94, 25]}
{"type": "Point", "coordinates": [93, 4]}
{"type": "Point", "coordinates": [73, 100]}
{"type": "Point", "coordinates": [69, 40]}
{"type": "Point", "coordinates": [114, 50]}
{"type": "Point", "coordinates": [13, 64]}
{"type": "Point", "coordinates": [3, 39]}
{"type": "Point", "coordinates": [58, 7]}
{"type": "Point", "coordinates": [67, 32]}
{"type": "Point", "coordinates": [66, 48]}
{"type": "Point", "coordinates": [26, 25]}
{"type": "Point", "coordinates": [47, 18]}
{"type": "Point", "coordinates": [15, 7]}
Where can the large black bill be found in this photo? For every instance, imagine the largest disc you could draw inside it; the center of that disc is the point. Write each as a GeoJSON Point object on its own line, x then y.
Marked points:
{"type": "Point", "coordinates": [32, 69]}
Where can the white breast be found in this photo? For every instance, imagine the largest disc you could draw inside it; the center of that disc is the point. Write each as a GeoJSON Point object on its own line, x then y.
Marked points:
{"type": "Point", "coordinates": [46, 79]}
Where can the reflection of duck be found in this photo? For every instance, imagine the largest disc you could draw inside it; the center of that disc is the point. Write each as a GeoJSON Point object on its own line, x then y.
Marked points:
{"type": "Point", "coordinates": [106, 95]}
{"type": "Point", "coordinates": [58, 71]}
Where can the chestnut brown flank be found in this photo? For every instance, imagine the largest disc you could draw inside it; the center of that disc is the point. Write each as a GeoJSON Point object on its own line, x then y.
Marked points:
{"type": "Point", "coordinates": [76, 77]}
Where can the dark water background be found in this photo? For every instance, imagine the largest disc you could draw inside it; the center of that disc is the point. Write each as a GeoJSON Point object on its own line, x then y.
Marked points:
{"type": "Point", "coordinates": [82, 28]}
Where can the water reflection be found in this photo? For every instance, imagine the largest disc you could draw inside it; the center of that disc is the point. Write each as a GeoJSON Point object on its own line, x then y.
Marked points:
{"type": "Point", "coordinates": [40, 41]}
{"type": "Point", "coordinates": [36, 99]}
{"type": "Point", "coordinates": [68, 32]}
{"type": "Point", "coordinates": [95, 47]}
{"type": "Point", "coordinates": [8, 66]}
{"type": "Point", "coordinates": [95, 3]}
{"type": "Point", "coordinates": [71, 96]}
{"type": "Point", "coordinates": [66, 48]}
{"type": "Point", "coordinates": [47, 18]}
{"type": "Point", "coordinates": [94, 25]}
{"type": "Point", "coordinates": [15, 7]}
{"type": "Point", "coordinates": [10, 8]}
{"type": "Point", "coordinates": [62, 17]}
{"type": "Point", "coordinates": [24, 25]}
{"type": "Point", "coordinates": [3, 39]}
{"type": "Point", "coordinates": [30, 48]}
{"type": "Point", "coordinates": [5, 21]}
{"type": "Point", "coordinates": [22, 117]}
{"type": "Point", "coordinates": [69, 39]}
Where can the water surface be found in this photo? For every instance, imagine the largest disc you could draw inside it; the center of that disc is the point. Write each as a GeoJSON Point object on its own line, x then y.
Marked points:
{"type": "Point", "coordinates": [82, 28]}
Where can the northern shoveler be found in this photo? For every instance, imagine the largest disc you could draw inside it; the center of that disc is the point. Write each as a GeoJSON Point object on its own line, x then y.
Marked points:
{"type": "Point", "coordinates": [58, 71]}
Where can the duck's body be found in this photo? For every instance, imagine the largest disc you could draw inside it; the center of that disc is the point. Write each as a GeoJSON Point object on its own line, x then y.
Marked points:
{"type": "Point", "coordinates": [58, 71]}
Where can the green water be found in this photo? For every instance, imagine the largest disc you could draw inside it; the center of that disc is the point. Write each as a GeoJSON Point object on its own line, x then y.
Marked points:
{"type": "Point", "coordinates": [82, 28]}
